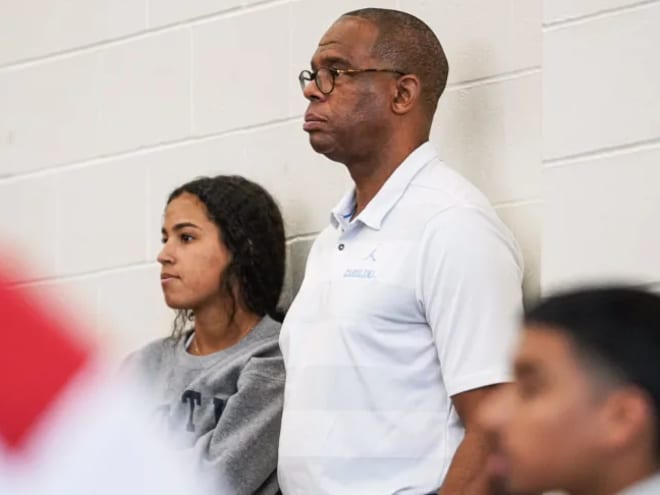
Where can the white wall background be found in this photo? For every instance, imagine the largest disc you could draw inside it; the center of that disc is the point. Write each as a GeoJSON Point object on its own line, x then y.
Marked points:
{"type": "Point", "coordinates": [601, 141]}
{"type": "Point", "coordinates": [106, 105]}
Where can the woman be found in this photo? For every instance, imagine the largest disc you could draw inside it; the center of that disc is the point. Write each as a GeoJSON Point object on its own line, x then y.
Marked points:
{"type": "Point", "coordinates": [219, 385]}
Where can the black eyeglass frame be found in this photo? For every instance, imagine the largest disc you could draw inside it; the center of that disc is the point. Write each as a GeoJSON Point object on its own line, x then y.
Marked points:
{"type": "Point", "coordinates": [307, 76]}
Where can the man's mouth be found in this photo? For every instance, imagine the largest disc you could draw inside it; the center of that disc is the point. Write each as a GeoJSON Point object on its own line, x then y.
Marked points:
{"type": "Point", "coordinates": [313, 122]}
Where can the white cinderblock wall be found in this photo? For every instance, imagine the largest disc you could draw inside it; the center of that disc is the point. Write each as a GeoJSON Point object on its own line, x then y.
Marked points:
{"type": "Point", "coordinates": [106, 105]}
{"type": "Point", "coordinates": [601, 142]}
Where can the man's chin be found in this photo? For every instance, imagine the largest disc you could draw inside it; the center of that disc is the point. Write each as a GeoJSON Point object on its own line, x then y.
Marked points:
{"type": "Point", "coordinates": [319, 142]}
{"type": "Point", "coordinates": [323, 146]}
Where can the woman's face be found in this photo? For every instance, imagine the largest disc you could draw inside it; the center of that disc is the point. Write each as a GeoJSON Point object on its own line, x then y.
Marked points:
{"type": "Point", "coordinates": [193, 257]}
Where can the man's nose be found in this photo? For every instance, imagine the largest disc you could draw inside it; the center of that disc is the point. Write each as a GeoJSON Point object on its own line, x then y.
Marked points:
{"type": "Point", "coordinates": [312, 92]}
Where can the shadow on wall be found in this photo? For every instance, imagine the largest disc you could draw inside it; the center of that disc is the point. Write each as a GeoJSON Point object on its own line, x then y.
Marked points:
{"type": "Point", "coordinates": [296, 257]}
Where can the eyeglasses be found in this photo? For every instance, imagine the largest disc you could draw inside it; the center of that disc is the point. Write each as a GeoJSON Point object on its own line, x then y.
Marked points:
{"type": "Point", "coordinates": [324, 77]}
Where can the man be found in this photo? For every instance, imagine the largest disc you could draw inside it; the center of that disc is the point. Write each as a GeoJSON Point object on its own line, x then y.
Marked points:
{"type": "Point", "coordinates": [583, 415]}
{"type": "Point", "coordinates": [407, 310]}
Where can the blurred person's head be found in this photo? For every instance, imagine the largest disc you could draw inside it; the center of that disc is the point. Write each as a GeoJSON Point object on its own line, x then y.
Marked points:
{"type": "Point", "coordinates": [223, 250]}
{"type": "Point", "coordinates": [583, 413]}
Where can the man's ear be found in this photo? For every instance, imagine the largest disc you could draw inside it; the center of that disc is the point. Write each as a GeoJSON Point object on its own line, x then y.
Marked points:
{"type": "Point", "coordinates": [407, 93]}
{"type": "Point", "coordinates": [629, 418]}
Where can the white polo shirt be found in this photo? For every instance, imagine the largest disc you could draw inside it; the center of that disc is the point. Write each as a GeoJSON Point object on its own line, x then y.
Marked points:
{"type": "Point", "coordinates": [411, 302]}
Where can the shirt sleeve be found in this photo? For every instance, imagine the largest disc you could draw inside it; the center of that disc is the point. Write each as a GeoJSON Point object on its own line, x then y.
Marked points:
{"type": "Point", "coordinates": [470, 276]}
{"type": "Point", "coordinates": [241, 452]}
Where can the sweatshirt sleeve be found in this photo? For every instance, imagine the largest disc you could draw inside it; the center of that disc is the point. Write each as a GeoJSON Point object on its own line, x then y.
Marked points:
{"type": "Point", "coordinates": [241, 452]}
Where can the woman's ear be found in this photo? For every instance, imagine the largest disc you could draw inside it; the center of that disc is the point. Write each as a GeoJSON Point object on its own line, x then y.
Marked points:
{"type": "Point", "coordinates": [407, 92]}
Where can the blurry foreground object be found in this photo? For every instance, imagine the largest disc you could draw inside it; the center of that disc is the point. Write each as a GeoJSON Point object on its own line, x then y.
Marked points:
{"type": "Point", "coordinates": [583, 415]}
{"type": "Point", "coordinates": [67, 426]}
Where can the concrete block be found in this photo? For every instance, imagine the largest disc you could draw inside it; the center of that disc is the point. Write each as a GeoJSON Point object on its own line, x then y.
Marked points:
{"type": "Point", "coordinates": [144, 92]}
{"type": "Point", "coordinates": [48, 113]}
{"type": "Point", "coordinates": [28, 226]}
{"type": "Point", "coordinates": [239, 78]}
{"type": "Point", "coordinates": [491, 133]}
{"type": "Point", "coordinates": [561, 10]}
{"type": "Point", "coordinates": [131, 310]}
{"type": "Point", "coordinates": [600, 83]}
{"type": "Point", "coordinates": [601, 220]}
{"type": "Point", "coordinates": [101, 216]}
{"type": "Point", "coordinates": [34, 28]}
{"type": "Point", "coordinates": [128, 96]}
{"type": "Point", "coordinates": [164, 12]}
{"type": "Point", "coordinates": [483, 39]}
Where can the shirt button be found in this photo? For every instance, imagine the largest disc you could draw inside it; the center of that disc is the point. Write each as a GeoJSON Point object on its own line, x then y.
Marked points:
{"type": "Point", "coordinates": [341, 247]}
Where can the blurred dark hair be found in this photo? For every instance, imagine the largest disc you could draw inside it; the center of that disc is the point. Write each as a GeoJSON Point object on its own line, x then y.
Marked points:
{"type": "Point", "coordinates": [252, 230]}
{"type": "Point", "coordinates": [616, 329]}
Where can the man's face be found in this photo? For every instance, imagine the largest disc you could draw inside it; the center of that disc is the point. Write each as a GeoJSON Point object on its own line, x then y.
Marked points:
{"type": "Point", "coordinates": [350, 120]}
{"type": "Point", "coordinates": [547, 427]}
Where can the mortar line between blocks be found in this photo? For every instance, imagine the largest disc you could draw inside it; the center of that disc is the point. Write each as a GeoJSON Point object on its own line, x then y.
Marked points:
{"type": "Point", "coordinates": [502, 77]}
{"type": "Point", "coordinates": [582, 19]}
{"type": "Point", "coordinates": [517, 203]}
{"type": "Point", "coordinates": [302, 237]}
{"type": "Point", "coordinates": [85, 275]}
{"type": "Point", "coordinates": [143, 150]}
{"type": "Point", "coordinates": [608, 152]}
{"type": "Point", "coordinates": [26, 62]}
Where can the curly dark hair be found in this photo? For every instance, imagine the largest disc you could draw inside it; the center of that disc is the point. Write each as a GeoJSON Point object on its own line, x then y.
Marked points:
{"type": "Point", "coordinates": [252, 230]}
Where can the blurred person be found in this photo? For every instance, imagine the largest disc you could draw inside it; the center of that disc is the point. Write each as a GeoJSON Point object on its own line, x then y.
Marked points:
{"type": "Point", "coordinates": [407, 311]}
{"type": "Point", "coordinates": [584, 413]}
{"type": "Point", "coordinates": [68, 424]}
{"type": "Point", "coordinates": [218, 386]}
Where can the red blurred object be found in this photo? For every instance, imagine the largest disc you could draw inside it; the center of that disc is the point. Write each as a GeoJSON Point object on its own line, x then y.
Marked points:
{"type": "Point", "coordinates": [38, 357]}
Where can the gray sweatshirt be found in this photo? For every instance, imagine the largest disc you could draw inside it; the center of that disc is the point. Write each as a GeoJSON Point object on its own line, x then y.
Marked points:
{"type": "Point", "coordinates": [224, 408]}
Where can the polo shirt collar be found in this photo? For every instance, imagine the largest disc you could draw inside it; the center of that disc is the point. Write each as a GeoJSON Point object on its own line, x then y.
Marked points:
{"type": "Point", "coordinates": [389, 194]}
